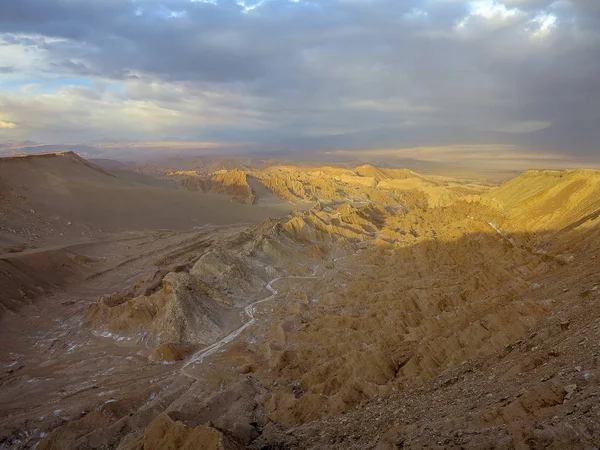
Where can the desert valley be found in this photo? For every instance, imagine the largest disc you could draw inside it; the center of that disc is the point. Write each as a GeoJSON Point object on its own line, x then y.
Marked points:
{"type": "Point", "coordinates": [299, 224]}
{"type": "Point", "coordinates": [296, 307]}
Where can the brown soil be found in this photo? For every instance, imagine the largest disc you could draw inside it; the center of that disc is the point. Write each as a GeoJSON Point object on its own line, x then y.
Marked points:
{"type": "Point", "coordinates": [401, 311]}
{"type": "Point", "coordinates": [59, 197]}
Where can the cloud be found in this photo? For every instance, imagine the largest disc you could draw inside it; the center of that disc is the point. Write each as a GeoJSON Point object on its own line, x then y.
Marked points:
{"type": "Point", "coordinates": [318, 72]}
{"type": "Point", "coordinates": [7, 125]}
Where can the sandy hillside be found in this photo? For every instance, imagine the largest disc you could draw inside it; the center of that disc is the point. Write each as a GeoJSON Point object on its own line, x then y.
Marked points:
{"type": "Point", "coordinates": [400, 311]}
{"type": "Point", "coordinates": [65, 189]}
{"type": "Point", "coordinates": [51, 202]}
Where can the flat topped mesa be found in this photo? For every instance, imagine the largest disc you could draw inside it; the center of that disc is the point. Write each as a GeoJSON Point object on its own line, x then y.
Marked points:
{"type": "Point", "coordinates": [39, 155]}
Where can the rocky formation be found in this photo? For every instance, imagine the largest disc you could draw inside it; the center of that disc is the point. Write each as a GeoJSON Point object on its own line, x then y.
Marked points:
{"type": "Point", "coordinates": [550, 199]}
{"type": "Point", "coordinates": [166, 433]}
{"type": "Point", "coordinates": [384, 186]}
{"type": "Point", "coordinates": [60, 198]}
{"type": "Point", "coordinates": [51, 203]}
{"type": "Point", "coordinates": [226, 182]}
{"type": "Point", "coordinates": [194, 305]}
{"type": "Point", "coordinates": [183, 311]}
{"type": "Point", "coordinates": [401, 311]}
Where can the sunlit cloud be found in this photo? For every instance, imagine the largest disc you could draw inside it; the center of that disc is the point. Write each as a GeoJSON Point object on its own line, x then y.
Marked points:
{"type": "Point", "coordinates": [489, 14]}
{"type": "Point", "coordinates": [544, 23]}
{"type": "Point", "coordinates": [492, 9]}
{"type": "Point", "coordinates": [7, 125]}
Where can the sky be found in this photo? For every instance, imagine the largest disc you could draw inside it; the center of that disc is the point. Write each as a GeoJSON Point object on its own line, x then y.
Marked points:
{"type": "Point", "coordinates": [303, 74]}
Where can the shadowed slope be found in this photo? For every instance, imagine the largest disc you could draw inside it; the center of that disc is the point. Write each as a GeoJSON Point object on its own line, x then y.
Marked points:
{"type": "Point", "coordinates": [410, 322]}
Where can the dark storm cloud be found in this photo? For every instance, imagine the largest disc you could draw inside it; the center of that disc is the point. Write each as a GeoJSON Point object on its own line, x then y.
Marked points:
{"type": "Point", "coordinates": [379, 72]}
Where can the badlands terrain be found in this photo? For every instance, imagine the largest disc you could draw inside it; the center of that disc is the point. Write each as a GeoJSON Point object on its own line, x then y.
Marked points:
{"type": "Point", "coordinates": [233, 306]}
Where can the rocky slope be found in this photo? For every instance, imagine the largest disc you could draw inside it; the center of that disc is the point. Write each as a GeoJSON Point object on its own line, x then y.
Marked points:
{"type": "Point", "coordinates": [51, 202]}
{"type": "Point", "coordinates": [551, 200]}
{"type": "Point", "coordinates": [228, 182]}
{"type": "Point", "coordinates": [57, 197]}
{"type": "Point", "coordinates": [401, 311]}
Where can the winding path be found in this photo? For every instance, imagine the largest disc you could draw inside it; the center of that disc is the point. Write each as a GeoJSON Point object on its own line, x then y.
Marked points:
{"type": "Point", "coordinates": [249, 310]}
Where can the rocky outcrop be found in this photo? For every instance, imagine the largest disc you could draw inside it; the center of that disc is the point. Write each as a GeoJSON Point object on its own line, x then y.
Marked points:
{"type": "Point", "coordinates": [226, 182]}
{"type": "Point", "coordinates": [166, 433]}
{"type": "Point", "coordinates": [550, 199]}
{"type": "Point", "coordinates": [394, 293]}
{"type": "Point", "coordinates": [184, 311]}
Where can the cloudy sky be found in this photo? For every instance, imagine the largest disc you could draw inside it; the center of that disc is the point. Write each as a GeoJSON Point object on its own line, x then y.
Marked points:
{"type": "Point", "coordinates": [340, 74]}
